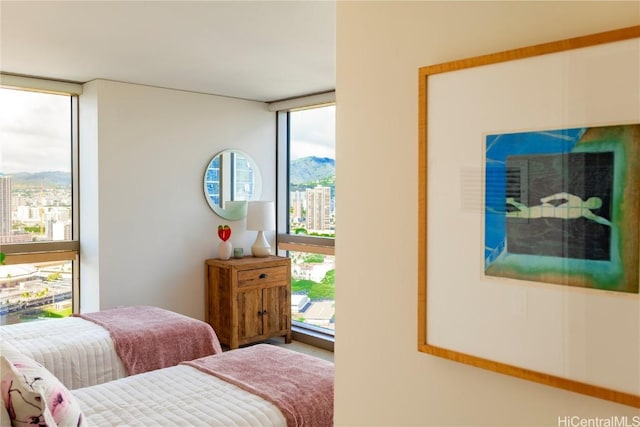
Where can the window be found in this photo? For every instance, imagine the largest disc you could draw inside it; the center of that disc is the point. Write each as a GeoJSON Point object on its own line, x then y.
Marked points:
{"type": "Point", "coordinates": [307, 213]}
{"type": "Point", "coordinates": [38, 230]}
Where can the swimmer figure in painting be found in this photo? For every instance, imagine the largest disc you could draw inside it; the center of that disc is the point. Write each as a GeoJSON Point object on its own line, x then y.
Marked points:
{"type": "Point", "coordinates": [572, 207]}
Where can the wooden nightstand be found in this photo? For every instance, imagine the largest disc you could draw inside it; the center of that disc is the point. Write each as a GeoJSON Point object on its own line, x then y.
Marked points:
{"type": "Point", "coordinates": [248, 299]}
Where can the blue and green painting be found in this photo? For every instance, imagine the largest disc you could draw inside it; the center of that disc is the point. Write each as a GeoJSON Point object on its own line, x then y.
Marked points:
{"type": "Point", "coordinates": [562, 206]}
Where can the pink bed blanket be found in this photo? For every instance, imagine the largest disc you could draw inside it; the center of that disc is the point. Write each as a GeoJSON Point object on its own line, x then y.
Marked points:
{"type": "Point", "coordinates": [301, 386]}
{"type": "Point", "coordinates": [148, 338]}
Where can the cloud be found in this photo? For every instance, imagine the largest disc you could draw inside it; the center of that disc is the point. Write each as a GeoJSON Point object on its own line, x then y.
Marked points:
{"type": "Point", "coordinates": [35, 132]}
{"type": "Point", "coordinates": [313, 133]}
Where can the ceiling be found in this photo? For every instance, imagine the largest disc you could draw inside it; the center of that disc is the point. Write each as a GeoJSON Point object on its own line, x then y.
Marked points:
{"type": "Point", "coordinates": [257, 50]}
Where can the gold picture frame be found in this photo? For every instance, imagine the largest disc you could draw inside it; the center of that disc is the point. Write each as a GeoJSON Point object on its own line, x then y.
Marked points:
{"type": "Point", "coordinates": [498, 323]}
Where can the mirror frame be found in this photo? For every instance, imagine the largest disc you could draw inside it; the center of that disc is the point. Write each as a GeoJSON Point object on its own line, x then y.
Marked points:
{"type": "Point", "coordinates": [238, 208]}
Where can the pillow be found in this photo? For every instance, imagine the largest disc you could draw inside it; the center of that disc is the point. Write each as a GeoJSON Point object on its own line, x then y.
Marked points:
{"type": "Point", "coordinates": [5, 421]}
{"type": "Point", "coordinates": [8, 350]}
{"type": "Point", "coordinates": [32, 395]}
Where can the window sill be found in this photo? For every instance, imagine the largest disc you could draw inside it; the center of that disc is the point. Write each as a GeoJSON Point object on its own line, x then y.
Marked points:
{"type": "Point", "coordinates": [312, 337]}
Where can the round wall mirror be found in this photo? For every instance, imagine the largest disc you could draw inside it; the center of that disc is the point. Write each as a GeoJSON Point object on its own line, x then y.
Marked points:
{"type": "Point", "coordinates": [231, 179]}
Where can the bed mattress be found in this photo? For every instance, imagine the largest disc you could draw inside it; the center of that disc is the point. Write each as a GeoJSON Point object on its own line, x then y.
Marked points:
{"type": "Point", "coordinates": [80, 353]}
{"type": "Point", "coordinates": [175, 396]}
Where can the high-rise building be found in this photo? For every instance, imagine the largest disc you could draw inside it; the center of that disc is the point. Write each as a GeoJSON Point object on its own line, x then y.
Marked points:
{"type": "Point", "coordinates": [5, 206]}
{"type": "Point", "coordinates": [297, 207]}
{"type": "Point", "coordinates": [60, 230]}
{"type": "Point", "coordinates": [319, 208]}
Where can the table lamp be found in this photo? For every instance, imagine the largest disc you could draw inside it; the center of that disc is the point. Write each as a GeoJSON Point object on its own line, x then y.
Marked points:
{"type": "Point", "coordinates": [261, 217]}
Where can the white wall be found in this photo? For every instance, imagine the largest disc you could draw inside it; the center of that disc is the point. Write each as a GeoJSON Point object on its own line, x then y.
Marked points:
{"type": "Point", "coordinates": [381, 378]}
{"type": "Point", "coordinates": [146, 227]}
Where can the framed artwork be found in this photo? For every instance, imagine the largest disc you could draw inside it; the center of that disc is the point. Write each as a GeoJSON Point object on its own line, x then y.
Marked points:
{"type": "Point", "coordinates": [529, 213]}
{"type": "Point", "coordinates": [552, 211]}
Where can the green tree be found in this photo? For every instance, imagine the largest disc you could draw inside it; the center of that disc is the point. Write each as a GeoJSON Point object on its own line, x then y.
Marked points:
{"type": "Point", "coordinates": [322, 291]}
{"type": "Point", "coordinates": [314, 259]}
{"type": "Point", "coordinates": [53, 277]}
{"type": "Point", "coordinates": [316, 291]}
{"type": "Point", "coordinates": [330, 277]}
{"type": "Point", "coordinates": [301, 285]}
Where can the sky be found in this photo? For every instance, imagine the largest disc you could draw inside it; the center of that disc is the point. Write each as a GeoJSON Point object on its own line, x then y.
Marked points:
{"type": "Point", "coordinates": [35, 132]}
{"type": "Point", "coordinates": [312, 133]}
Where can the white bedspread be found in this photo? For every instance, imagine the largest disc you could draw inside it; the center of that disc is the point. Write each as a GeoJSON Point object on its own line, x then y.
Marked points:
{"type": "Point", "coordinates": [79, 352]}
{"type": "Point", "coordinates": [176, 396]}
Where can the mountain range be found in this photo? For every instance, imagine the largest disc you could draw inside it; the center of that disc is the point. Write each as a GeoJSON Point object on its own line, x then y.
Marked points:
{"type": "Point", "coordinates": [47, 179]}
{"type": "Point", "coordinates": [303, 171]}
{"type": "Point", "coordinates": [311, 169]}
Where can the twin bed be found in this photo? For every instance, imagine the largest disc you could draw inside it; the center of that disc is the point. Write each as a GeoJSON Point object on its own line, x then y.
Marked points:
{"type": "Point", "coordinates": [158, 382]}
{"type": "Point", "coordinates": [94, 348]}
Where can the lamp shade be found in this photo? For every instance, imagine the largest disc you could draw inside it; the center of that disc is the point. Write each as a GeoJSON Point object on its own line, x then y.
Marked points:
{"type": "Point", "coordinates": [261, 215]}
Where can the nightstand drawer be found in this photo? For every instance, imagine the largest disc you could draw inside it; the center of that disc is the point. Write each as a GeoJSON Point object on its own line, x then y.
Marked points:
{"type": "Point", "coordinates": [262, 276]}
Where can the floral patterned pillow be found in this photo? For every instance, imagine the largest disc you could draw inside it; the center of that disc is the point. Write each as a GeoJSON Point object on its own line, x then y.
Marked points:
{"type": "Point", "coordinates": [33, 396]}
{"type": "Point", "coordinates": [5, 421]}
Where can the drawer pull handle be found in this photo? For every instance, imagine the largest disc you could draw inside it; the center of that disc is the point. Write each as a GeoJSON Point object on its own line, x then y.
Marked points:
{"type": "Point", "coordinates": [262, 313]}
{"type": "Point", "coordinates": [263, 276]}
